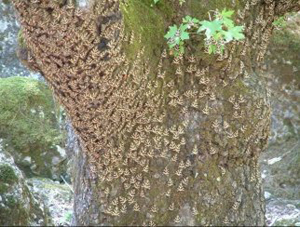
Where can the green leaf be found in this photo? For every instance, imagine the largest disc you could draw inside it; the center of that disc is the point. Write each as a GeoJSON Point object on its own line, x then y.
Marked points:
{"type": "Point", "coordinates": [172, 32]}
{"type": "Point", "coordinates": [217, 36]}
{"type": "Point", "coordinates": [156, 1]}
{"type": "Point", "coordinates": [212, 49]}
{"type": "Point", "coordinates": [189, 19]}
{"type": "Point", "coordinates": [177, 40]}
{"type": "Point", "coordinates": [171, 45]}
{"type": "Point", "coordinates": [181, 49]}
{"type": "Point", "coordinates": [183, 27]}
{"type": "Point", "coordinates": [210, 27]}
{"type": "Point", "coordinates": [226, 18]}
{"type": "Point", "coordinates": [280, 22]}
{"type": "Point", "coordinates": [222, 48]}
{"type": "Point", "coordinates": [234, 33]}
{"type": "Point", "coordinates": [227, 14]}
{"type": "Point", "coordinates": [228, 22]}
{"type": "Point", "coordinates": [184, 35]}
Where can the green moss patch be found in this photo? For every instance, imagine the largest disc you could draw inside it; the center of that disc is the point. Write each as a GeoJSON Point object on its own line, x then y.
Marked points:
{"type": "Point", "coordinates": [148, 22]}
{"type": "Point", "coordinates": [7, 175]}
{"type": "Point", "coordinates": [28, 117]}
{"type": "Point", "coordinates": [3, 188]}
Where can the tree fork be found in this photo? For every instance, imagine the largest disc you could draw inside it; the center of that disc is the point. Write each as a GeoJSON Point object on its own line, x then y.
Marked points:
{"type": "Point", "coordinates": [169, 140]}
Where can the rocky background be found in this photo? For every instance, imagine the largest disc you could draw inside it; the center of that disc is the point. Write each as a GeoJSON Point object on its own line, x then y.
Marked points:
{"type": "Point", "coordinates": [38, 147]}
{"type": "Point", "coordinates": [9, 30]}
{"type": "Point", "coordinates": [280, 164]}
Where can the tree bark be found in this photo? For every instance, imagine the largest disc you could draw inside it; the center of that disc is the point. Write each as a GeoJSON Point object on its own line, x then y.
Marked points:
{"type": "Point", "coordinates": [167, 140]}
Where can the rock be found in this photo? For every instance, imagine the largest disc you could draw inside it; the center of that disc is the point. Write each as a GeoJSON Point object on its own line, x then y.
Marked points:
{"type": "Point", "coordinates": [17, 204]}
{"type": "Point", "coordinates": [57, 197]}
{"type": "Point", "coordinates": [55, 160]}
{"type": "Point", "coordinates": [9, 63]}
{"type": "Point", "coordinates": [274, 160]}
{"type": "Point", "coordinates": [291, 206]}
{"type": "Point", "coordinates": [282, 212]}
{"type": "Point", "coordinates": [35, 140]}
{"type": "Point", "coordinates": [280, 161]}
{"type": "Point", "coordinates": [267, 195]}
{"type": "Point", "coordinates": [27, 161]}
{"type": "Point", "coordinates": [61, 151]}
{"type": "Point", "coordinates": [281, 169]}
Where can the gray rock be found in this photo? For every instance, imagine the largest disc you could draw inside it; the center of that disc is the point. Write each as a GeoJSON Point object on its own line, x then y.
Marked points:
{"type": "Point", "coordinates": [58, 198]}
{"type": "Point", "coordinates": [9, 63]}
{"type": "Point", "coordinates": [55, 160]}
{"type": "Point", "coordinates": [280, 162]}
{"type": "Point", "coordinates": [16, 198]}
{"type": "Point", "coordinates": [27, 161]}
{"type": "Point", "coordinates": [267, 195]}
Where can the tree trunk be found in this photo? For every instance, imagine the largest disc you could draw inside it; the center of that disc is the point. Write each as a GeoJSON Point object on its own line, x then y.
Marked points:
{"type": "Point", "coordinates": [167, 140]}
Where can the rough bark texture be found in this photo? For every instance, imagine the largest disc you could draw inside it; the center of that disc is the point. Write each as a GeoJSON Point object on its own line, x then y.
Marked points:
{"type": "Point", "coordinates": [168, 141]}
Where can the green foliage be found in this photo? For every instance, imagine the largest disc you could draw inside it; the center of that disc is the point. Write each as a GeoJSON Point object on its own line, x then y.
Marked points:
{"type": "Point", "coordinates": [225, 16]}
{"type": "Point", "coordinates": [190, 21]}
{"type": "Point", "coordinates": [211, 28]}
{"type": "Point", "coordinates": [234, 33]}
{"type": "Point", "coordinates": [176, 36]}
{"type": "Point", "coordinates": [27, 115]}
{"type": "Point", "coordinates": [7, 174]}
{"type": "Point", "coordinates": [280, 22]}
{"type": "Point", "coordinates": [3, 188]}
{"type": "Point", "coordinates": [217, 32]}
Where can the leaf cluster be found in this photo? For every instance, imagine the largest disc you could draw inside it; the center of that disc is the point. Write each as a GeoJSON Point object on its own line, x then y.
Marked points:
{"type": "Point", "coordinates": [217, 32]}
{"type": "Point", "coordinates": [280, 22]}
{"type": "Point", "coordinates": [176, 36]}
